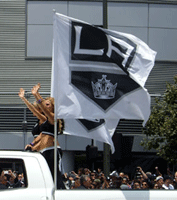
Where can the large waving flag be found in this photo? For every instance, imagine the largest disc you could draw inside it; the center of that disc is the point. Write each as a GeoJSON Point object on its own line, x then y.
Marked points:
{"type": "Point", "coordinates": [99, 130]}
{"type": "Point", "coordinates": [99, 73]}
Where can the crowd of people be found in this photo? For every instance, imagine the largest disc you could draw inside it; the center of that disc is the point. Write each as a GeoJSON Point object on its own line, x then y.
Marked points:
{"type": "Point", "coordinates": [86, 179]}
{"type": "Point", "coordinates": [9, 179]}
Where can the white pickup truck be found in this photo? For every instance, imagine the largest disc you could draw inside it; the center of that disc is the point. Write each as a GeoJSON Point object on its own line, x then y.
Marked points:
{"type": "Point", "coordinates": [38, 183]}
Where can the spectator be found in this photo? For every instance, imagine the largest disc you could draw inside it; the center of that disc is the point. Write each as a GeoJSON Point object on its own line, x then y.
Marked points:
{"type": "Point", "coordinates": [14, 180]}
{"type": "Point", "coordinates": [97, 184]}
{"type": "Point", "coordinates": [124, 184]}
{"type": "Point", "coordinates": [156, 186]}
{"type": "Point", "coordinates": [128, 181]}
{"type": "Point", "coordinates": [87, 171]}
{"type": "Point", "coordinates": [3, 180]}
{"type": "Point", "coordinates": [74, 175]}
{"type": "Point", "coordinates": [159, 181]}
{"type": "Point", "coordinates": [117, 183]}
{"type": "Point", "coordinates": [144, 185]}
{"type": "Point", "coordinates": [71, 179]}
{"type": "Point", "coordinates": [175, 179]}
{"type": "Point", "coordinates": [139, 178]}
{"type": "Point", "coordinates": [121, 174]}
{"type": "Point", "coordinates": [114, 181]}
{"type": "Point", "coordinates": [85, 182]}
{"type": "Point", "coordinates": [106, 184]}
{"type": "Point", "coordinates": [151, 180]}
{"type": "Point", "coordinates": [2, 183]}
{"type": "Point", "coordinates": [11, 183]}
{"type": "Point", "coordinates": [80, 171]}
{"type": "Point", "coordinates": [76, 183]}
{"type": "Point", "coordinates": [168, 181]}
{"type": "Point", "coordinates": [20, 178]}
{"type": "Point", "coordinates": [99, 170]}
{"type": "Point", "coordinates": [148, 177]}
{"type": "Point", "coordinates": [92, 176]}
{"type": "Point", "coordinates": [104, 181]}
{"type": "Point", "coordinates": [144, 175]}
{"type": "Point", "coordinates": [136, 185]}
{"type": "Point", "coordinates": [158, 172]}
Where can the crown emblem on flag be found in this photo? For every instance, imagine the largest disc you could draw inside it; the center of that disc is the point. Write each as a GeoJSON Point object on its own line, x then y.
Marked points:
{"type": "Point", "coordinates": [104, 89]}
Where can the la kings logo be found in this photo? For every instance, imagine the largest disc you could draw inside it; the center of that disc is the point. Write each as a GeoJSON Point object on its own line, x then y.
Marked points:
{"type": "Point", "coordinates": [99, 63]}
{"type": "Point", "coordinates": [90, 125]}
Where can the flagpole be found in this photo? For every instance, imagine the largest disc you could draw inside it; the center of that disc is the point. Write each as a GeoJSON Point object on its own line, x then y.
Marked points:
{"type": "Point", "coordinates": [55, 154]}
{"type": "Point", "coordinates": [55, 136]}
{"type": "Point", "coordinates": [105, 14]}
{"type": "Point", "coordinates": [106, 151]}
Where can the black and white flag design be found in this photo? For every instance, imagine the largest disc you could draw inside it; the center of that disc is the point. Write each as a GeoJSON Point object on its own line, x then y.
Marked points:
{"type": "Point", "coordinates": [98, 73]}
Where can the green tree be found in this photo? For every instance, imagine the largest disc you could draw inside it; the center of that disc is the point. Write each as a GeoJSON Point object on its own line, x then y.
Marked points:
{"type": "Point", "coordinates": [161, 128]}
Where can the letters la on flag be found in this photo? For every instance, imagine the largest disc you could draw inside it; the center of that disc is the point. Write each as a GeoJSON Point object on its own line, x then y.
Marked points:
{"type": "Point", "coordinates": [99, 73]}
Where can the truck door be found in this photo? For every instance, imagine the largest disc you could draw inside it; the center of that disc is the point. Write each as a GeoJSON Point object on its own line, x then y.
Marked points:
{"type": "Point", "coordinates": [21, 181]}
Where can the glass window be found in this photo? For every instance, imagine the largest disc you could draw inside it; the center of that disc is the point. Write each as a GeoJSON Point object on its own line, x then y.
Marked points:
{"type": "Point", "coordinates": [12, 174]}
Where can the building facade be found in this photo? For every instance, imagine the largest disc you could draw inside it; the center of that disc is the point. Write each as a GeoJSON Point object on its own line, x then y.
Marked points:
{"type": "Point", "coordinates": [26, 57]}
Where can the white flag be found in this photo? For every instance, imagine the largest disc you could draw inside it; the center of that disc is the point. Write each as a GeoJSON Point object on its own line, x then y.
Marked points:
{"type": "Point", "coordinates": [98, 130]}
{"type": "Point", "coordinates": [99, 73]}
